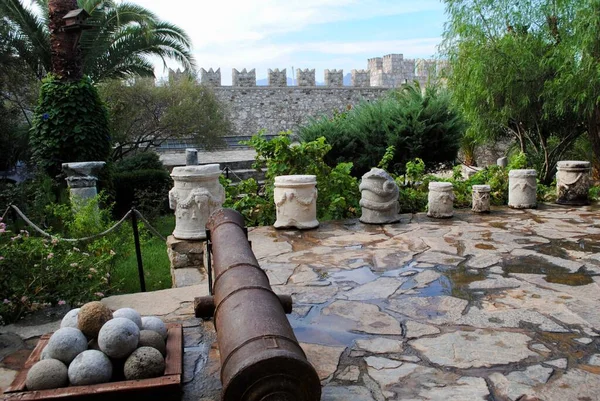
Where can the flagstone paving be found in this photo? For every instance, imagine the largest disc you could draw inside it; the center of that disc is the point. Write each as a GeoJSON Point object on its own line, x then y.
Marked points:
{"type": "Point", "coordinates": [504, 306]}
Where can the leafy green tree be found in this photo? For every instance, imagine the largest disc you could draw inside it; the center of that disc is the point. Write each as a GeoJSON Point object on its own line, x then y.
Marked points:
{"type": "Point", "coordinates": [417, 123]}
{"type": "Point", "coordinates": [505, 56]}
{"type": "Point", "coordinates": [18, 90]}
{"type": "Point", "coordinates": [577, 61]}
{"type": "Point", "coordinates": [144, 115]}
{"type": "Point", "coordinates": [122, 38]}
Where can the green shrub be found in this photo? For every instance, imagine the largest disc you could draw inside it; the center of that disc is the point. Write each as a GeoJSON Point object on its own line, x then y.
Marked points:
{"type": "Point", "coordinates": [417, 124]}
{"type": "Point", "coordinates": [148, 190]}
{"type": "Point", "coordinates": [139, 161]}
{"type": "Point", "coordinates": [338, 190]}
{"type": "Point", "coordinates": [594, 193]}
{"type": "Point", "coordinates": [36, 272]}
{"type": "Point", "coordinates": [70, 124]}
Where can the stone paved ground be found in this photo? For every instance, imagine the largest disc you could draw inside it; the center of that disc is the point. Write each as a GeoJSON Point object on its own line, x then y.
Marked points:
{"type": "Point", "coordinates": [495, 307]}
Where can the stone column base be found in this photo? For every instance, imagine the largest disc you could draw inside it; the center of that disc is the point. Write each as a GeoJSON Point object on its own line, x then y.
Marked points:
{"type": "Point", "coordinates": [186, 261]}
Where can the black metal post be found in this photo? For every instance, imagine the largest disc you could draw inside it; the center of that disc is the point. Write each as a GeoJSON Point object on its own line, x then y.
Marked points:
{"type": "Point", "coordinates": [209, 262]}
{"type": "Point", "coordinates": [138, 250]}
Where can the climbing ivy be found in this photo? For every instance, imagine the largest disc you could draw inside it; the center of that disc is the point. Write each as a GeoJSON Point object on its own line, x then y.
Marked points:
{"type": "Point", "coordinates": [70, 124]}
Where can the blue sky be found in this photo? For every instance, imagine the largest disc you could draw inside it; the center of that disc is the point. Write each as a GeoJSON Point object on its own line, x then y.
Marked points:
{"type": "Point", "coordinates": [316, 34]}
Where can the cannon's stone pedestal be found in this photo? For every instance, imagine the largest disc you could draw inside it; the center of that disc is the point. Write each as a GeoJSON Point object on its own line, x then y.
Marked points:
{"type": "Point", "coordinates": [573, 182]}
{"type": "Point", "coordinates": [379, 198]}
{"type": "Point", "coordinates": [296, 201]}
{"type": "Point", "coordinates": [481, 198]}
{"type": "Point", "coordinates": [82, 179]}
{"type": "Point", "coordinates": [186, 258]}
{"type": "Point", "coordinates": [522, 189]}
{"type": "Point", "coordinates": [441, 200]}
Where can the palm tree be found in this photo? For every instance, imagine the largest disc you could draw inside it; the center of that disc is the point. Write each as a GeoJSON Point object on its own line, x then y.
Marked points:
{"type": "Point", "coordinates": [122, 38]}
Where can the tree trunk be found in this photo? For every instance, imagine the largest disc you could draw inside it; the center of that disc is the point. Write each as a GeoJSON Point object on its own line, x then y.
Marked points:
{"type": "Point", "coordinates": [65, 50]}
{"type": "Point", "coordinates": [594, 134]}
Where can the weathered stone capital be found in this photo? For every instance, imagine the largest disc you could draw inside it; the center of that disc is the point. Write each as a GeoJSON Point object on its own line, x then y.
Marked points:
{"type": "Point", "coordinates": [82, 182]}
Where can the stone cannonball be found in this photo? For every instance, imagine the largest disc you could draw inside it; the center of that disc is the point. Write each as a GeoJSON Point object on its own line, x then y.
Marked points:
{"type": "Point", "coordinates": [46, 374]}
{"type": "Point", "coordinates": [90, 367]}
{"type": "Point", "coordinates": [130, 314]}
{"type": "Point", "coordinates": [149, 338]}
{"type": "Point", "coordinates": [70, 319]}
{"type": "Point", "coordinates": [65, 344]}
{"type": "Point", "coordinates": [155, 324]}
{"type": "Point", "coordinates": [118, 337]}
{"type": "Point", "coordinates": [92, 317]}
{"type": "Point", "coordinates": [144, 363]}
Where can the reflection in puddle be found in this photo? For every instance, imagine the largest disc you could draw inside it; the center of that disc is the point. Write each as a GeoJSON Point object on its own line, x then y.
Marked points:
{"type": "Point", "coordinates": [454, 282]}
{"type": "Point", "coordinates": [554, 274]}
{"type": "Point", "coordinates": [361, 275]}
{"type": "Point", "coordinates": [559, 248]}
{"type": "Point", "coordinates": [330, 330]}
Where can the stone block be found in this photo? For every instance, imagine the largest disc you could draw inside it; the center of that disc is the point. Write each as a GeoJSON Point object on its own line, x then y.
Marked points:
{"type": "Point", "coordinates": [522, 189]}
{"type": "Point", "coordinates": [185, 253]}
{"type": "Point", "coordinates": [441, 200]}
{"type": "Point", "coordinates": [296, 201]}
{"type": "Point", "coordinates": [573, 182]}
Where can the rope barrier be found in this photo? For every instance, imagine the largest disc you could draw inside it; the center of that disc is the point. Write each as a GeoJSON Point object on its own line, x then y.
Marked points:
{"type": "Point", "coordinates": [6, 211]}
{"type": "Point", "coordinates": [148, 225]}
{"type": "Point", "coordinates": [45, 234]}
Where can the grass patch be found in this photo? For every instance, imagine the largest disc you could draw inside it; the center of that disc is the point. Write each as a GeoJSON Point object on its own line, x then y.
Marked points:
{"type": "Point", "coordinates": [157, 272]}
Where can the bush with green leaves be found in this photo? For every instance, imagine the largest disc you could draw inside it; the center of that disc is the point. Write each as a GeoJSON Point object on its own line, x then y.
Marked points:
{"type": "Point", "coordinates": [141, 180]}
{"type": "Point", "coordinates": [37, 272]}
{"type": "Point", "coordinates": [414, 192]}
{"type": "Point", "coordinates": [70, 124]}
{"type": "Point", "coordinates": [139, 161]}
{"type": "Point", "coordinates": [146, 190]}
{"type": "Point", "coordinates": [418, 124]}
{"type": "Point", "coordinates": [338, 191]}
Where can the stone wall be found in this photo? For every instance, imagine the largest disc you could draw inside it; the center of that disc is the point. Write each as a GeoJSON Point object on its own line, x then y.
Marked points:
{"type": "Point", "coordinates": [285, 108]}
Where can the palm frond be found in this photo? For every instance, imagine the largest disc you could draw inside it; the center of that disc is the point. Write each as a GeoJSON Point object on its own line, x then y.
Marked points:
{"type": "Point", "coordinates": [29, 34]}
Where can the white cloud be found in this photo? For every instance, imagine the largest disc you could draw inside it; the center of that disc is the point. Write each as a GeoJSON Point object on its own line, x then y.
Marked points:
{"type": "Point", "coordinates": [221, 22]}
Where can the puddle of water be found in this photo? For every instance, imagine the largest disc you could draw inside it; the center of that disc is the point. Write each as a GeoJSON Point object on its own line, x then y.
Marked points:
{"type": "Point", "coordinates": [441, 286]}
{"type": "Point", "coordinates": [498, 224]}
{"type": "Point", "coordinates": [559, 248]}
{"type": "Point", "coordinates": [564, 343]}
{"type": "Point", "coordinates": [361, 275]}
{"type": "Point", "coordinates": [330, 330]}
{"type": "Point", "coordinates": [403, 270]}
{"type": "Point", "coordinates": [454, 282]}
{"type": "Point", "coordinates": [485, 246]}
{"type": "Point", "coordinates": [458, 280]}
{"type": "Point", "coordinates": [554, 274]}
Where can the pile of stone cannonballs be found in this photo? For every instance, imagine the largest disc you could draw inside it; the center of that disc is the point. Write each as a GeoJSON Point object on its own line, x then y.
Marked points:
{"type": "Point", "coordinates": [95, 345]}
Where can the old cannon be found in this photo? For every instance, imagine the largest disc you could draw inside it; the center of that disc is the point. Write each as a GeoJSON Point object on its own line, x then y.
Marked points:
{"type": "Point", "coordinates": [261, 359]}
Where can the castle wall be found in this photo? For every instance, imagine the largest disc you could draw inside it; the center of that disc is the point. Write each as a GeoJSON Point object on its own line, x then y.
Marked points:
{"type": "Point", "coordinates": [276, 109]}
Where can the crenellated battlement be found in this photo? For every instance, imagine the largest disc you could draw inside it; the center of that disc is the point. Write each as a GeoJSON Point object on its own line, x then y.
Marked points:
{"type": "Point", "coordinates": [277, 78]}
{"type": "Point", "coordinates": [334, 78]}
{"type": "Point", "coordinates": [360, 78]}
{"type": "Point", "coordinates": [210, 77]}
{"type": "Point", "coordinates": [388, 71]}
{"type": "Point", "coordinates": [306, 77]}
{"type": "Point", "coordinates": [243, 78]}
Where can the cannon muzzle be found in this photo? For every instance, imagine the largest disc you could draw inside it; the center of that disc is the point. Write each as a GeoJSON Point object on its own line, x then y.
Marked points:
{"type": "Point", "coordinates": [261, 359]}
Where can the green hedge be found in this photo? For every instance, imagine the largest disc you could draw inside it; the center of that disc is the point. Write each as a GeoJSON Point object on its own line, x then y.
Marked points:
{"type": "Point", "coordinates": [147, 189]}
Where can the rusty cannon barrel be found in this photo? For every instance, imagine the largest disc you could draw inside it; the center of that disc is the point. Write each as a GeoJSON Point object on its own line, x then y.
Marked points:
{"type": "Point", "coordinates": [261, 359]}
